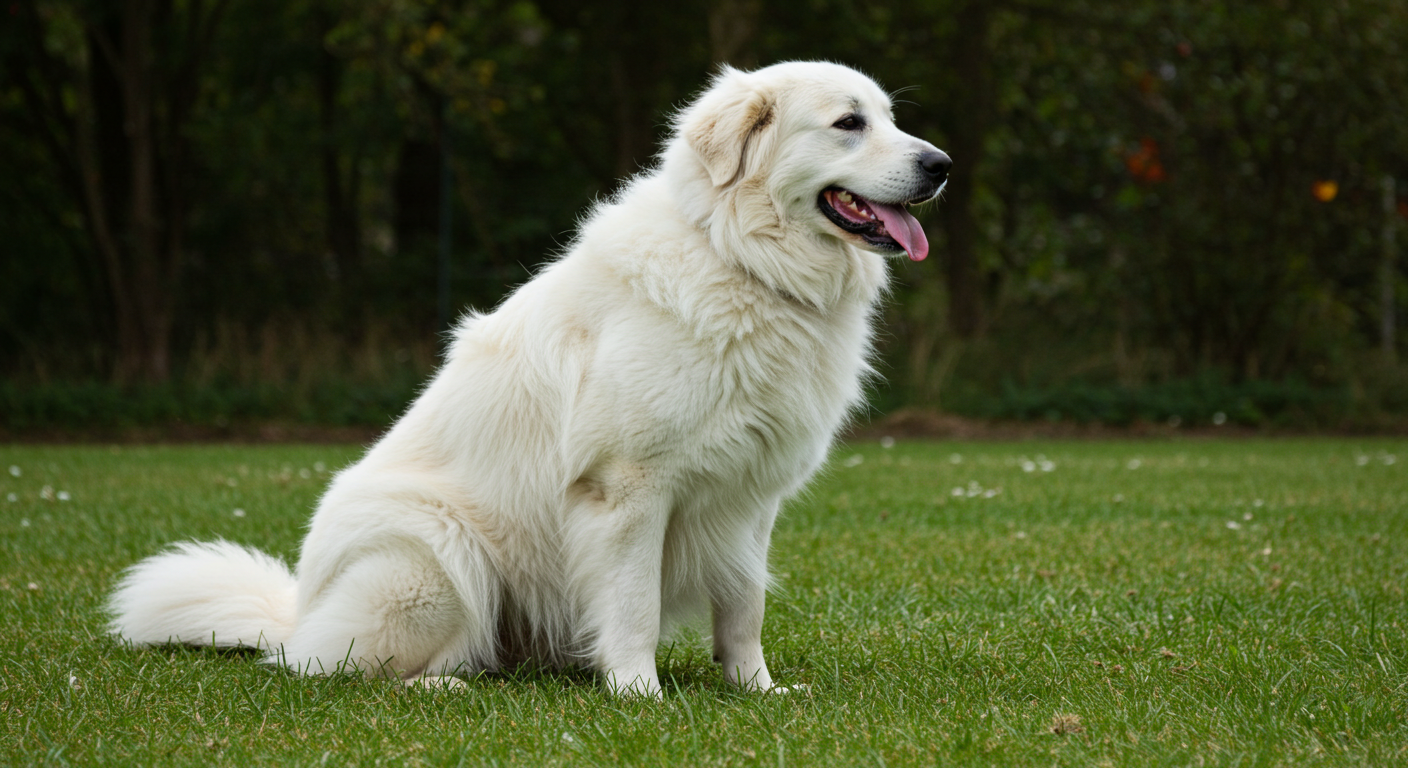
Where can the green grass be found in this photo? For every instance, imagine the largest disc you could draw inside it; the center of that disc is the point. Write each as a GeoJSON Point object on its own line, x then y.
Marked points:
{"type": "Point", "coordinates": [1226, 603]}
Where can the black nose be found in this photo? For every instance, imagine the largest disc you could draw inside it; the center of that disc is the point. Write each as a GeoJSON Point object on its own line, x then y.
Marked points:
{"type": "Point", "coordinates": [936, 164]}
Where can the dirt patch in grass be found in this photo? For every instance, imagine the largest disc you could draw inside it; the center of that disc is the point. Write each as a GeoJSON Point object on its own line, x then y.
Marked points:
{"type": "Point", "coordinates": [915, 423]}
{"type": "Point", "coordinates": [903, 424]}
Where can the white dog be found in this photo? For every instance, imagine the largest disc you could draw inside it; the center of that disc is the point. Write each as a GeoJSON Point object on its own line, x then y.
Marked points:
{"type": "Point", "coordinates": [603, 455]}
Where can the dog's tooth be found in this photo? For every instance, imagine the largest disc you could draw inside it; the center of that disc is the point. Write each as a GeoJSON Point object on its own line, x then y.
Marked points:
{"type": "Point", "coordinates": [844, 196]}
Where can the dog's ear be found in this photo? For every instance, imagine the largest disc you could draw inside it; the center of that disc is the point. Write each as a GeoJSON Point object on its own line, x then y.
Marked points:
{"type": "Point", "coordinates": [726, 124]}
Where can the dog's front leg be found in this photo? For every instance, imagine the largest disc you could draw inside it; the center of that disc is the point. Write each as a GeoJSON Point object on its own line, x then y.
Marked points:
{"type": "Point", "coordinates": [738, 630]}
{"type": "Point", "coordinates": [619, 549]}
{"type": "Point", "coordinates": [738, 605]}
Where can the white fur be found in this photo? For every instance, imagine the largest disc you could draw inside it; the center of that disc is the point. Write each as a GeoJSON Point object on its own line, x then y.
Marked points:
{"type": "Point", "coordinates": [193, 589]}
{"type": "Point", "coordinates": [603, 455]}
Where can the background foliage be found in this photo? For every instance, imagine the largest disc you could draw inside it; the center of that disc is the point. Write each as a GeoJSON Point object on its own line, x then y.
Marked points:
{"type": "Point", "coordinates": [232, 210]}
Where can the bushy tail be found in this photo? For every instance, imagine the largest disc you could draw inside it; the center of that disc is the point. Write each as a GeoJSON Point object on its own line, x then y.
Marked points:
{"type": "Point", "coordinates": [215, 593]}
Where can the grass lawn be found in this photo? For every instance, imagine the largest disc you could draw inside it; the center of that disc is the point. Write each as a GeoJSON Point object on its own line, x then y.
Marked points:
{"type": "Point", "coordinates": [1060, 603]}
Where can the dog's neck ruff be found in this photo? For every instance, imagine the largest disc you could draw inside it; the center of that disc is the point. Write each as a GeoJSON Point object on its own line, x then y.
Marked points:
{"type": "Point", "coordinates": [747, 233]}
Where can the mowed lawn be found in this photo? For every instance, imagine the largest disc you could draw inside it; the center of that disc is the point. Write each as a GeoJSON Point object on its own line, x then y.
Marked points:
{"type": "Point", "coordinates": [1183, 602]}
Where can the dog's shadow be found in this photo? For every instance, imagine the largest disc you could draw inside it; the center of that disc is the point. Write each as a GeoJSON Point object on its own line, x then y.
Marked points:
{"type": "Point", "coordinates": [209, 651]}
{"type": "Point", "coordinates": [682, 669]}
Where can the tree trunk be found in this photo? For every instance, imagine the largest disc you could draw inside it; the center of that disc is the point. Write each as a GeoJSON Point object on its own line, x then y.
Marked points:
{"type": "Point", "coordinates": [1388, 322]}
{"type": "Point", "coordinates": [633, 139]}
{"type": "Point", "coordinates": [415, 189]}
{"type": "Point", "coordinates": [126, 143]}
{"type": "Point", "coordinates": [624, 55]}
{"type": "Point", "coordinates": [340, 187]}
{"type": "Point", "coordinates": [150, 359]}
{"type": "Point", "coordinates": [134, 101]}
{"type": "Point", "coordinates": [732, 26]}
{"type": "Point", "coordinates": [969, 118]}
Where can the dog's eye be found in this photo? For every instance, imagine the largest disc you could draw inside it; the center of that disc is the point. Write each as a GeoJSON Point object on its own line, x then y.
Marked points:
{"type": "Point", "coordinates": [850, 123]}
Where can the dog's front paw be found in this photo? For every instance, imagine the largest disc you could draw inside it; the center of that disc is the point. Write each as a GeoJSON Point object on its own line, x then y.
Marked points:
{"type": "Point", "coordinates": [642, 685]}
{"type": "Point", "coordinates": [442, 682]}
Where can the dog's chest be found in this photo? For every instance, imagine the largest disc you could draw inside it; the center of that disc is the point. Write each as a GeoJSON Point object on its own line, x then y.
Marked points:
{"type": "Point", "coordinates": [776, 399]}
{"type": "Point", "coordinates": [726, 381]}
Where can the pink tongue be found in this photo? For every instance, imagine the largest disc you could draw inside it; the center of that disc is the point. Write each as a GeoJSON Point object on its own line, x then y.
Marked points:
{"type": "Point", "coordinates": [904, 228]}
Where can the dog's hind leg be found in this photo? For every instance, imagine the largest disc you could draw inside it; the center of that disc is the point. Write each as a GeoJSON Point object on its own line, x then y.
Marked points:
{"type": "Point", "coordinates": [394, 613]}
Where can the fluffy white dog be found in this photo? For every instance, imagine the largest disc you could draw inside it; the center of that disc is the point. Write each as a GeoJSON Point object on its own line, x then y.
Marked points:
{"type": "Point", "coordinates": [604, 454]}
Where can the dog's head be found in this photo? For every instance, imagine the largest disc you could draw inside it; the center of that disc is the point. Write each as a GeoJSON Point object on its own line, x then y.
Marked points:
{"type": "Point", "coordinates": [817, 145]}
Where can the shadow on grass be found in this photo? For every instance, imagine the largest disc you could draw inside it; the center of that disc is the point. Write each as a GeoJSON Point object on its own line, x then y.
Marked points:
{"type": "Point", "coordinates": [682, 670]}
{"type": "Point", "coordinates": [195, 651]}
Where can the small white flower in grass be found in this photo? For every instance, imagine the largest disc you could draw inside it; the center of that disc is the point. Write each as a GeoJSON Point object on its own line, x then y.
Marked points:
{"type": "Point", "coordinates": [47, 493]}
{"type": "Point", "coordinates": [1361, 460]}
{"type": "Point", "coordinates": [854, 461]}
{"type": "Point", "coordinates": [991, 492]}
{"type": "Point", "coordinates": [319, 466]}
{"type": "Point", "coordinates": [239, 512]}
{"type": "Point", "coordinates": [956, 492]}
{"type": "Point", "coordinates": [24, 522]}
{"type": "Point", "coordinates": [567, 737]}
{"type": "Point", "coordinates": [887, 442]}
{"type": "Point", "coordinates": [1388, 459]}
{"type": "Point", "coordinates": [1119, 497]}
{"type": "Point", "coordinates": [1020, 534]}
{"type": "Point", "coordinates": [12, 497]}
{"type": "Point", "coordinates": [32, 587]}
{"type": "Point", "coordinates": [1234, 525]}
{"type": "Point", "coordinates": [1266, 552]}
{"type": "Point", "coordinates": [955, 459]}
{"type": "Point", "coordinates": [1028, 466]}
{"type": "Point", "coordinates": [1134, 463]}
{"type": "Point", "coordinates": [1045, 465]}
{"type": "Point", "coordinates": [1258, 503]}
{"type": "Point", "coordinates": [63, 496]}
{"type": "Point", "coordinates": [1219, 418]}
{"type": "Point", "coordinates": [304, 473]}
{"type": "Point", "coordinates": [15, 471]}
{"type": "Point", "coordinates": [1246, 515]}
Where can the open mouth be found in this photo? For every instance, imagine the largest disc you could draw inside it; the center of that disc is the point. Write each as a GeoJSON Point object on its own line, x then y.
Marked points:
{"type": "Point", "coordinates": [884, 226]}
